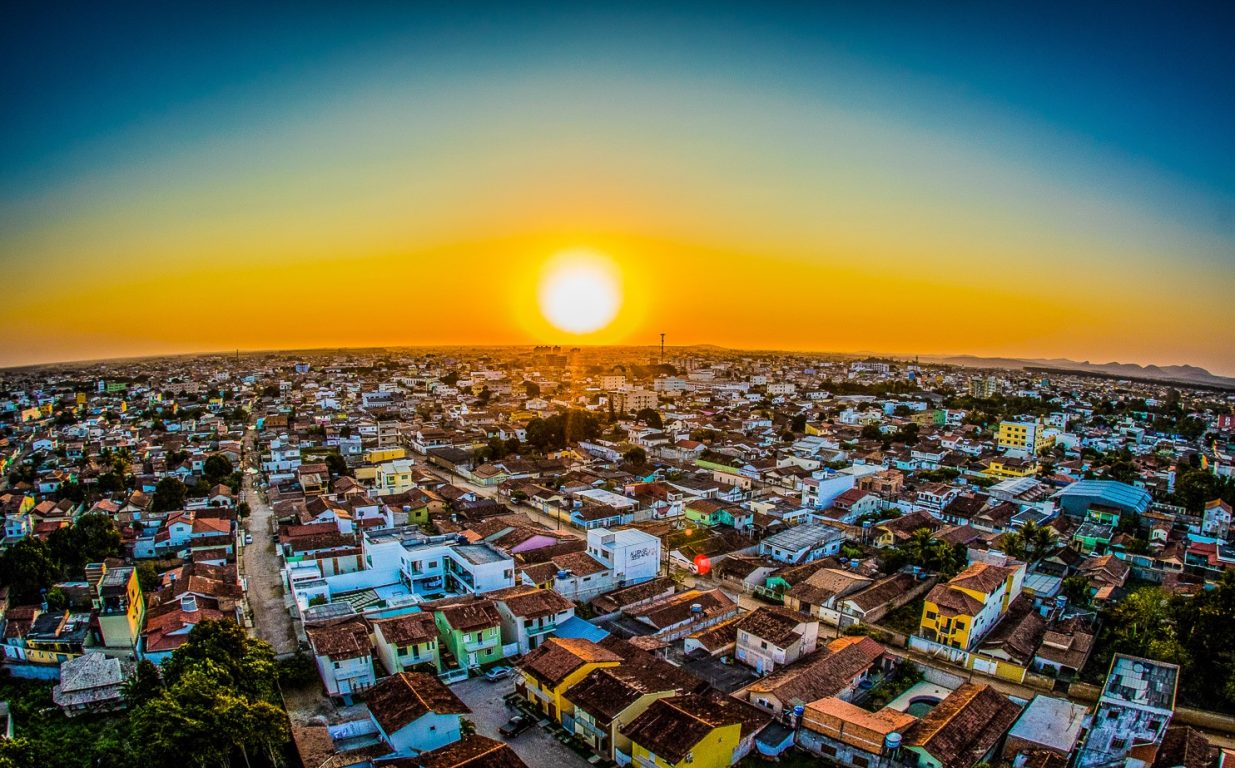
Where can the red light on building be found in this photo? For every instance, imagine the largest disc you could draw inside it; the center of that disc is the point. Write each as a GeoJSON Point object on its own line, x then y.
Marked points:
{"type": "Point", "coordinates": [703, 565]}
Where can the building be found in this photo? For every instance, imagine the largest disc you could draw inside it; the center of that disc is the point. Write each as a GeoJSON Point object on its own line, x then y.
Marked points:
{"type": "Point", "coordinates": [344, 656]}
{"type": "Point", "coordinates": [963, 730]}
{"type": "Point", "coordinates": [631, 555]}
{"type": "Point", "coordinates": [851, 736]}
{"type": "Point", "coordinates": [549, 672]}
{"type": "Point", "coordinates": [983, 388]}
{"type": "Point", "coordinates": [803, 543]}
{"type": "Point", "coordinates": [839, 669]}
{"type": "Point", "coordinates": [1076, 499]}
{"type": "Point", "coordinates": [414, 712]}
{"type": "Point", "coordinates": [772, 636]}
{"type": "Point", "coordinates": [1047, 724]}
{"type": "Point", "coordinates": [1134, 710]}
{"type": "Point", "coordinates": [469, 630]}
{"type": "Point", "coordinates": [91, 683]}
{"type": "Point", "coordinates": [406, 641]}
{"type": "Point", "coordinates": [696, 730]}
{"type": "Point", "coordinates": [961, 612]}
{"type": "Point", "coordinates": [118, 603]}
{"type": "Point", "coordinates": [1026, 436]}
{"type": "Point", "coordinates": [530, 615]}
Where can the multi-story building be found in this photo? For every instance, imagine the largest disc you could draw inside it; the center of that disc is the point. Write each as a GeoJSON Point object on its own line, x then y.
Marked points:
{"type": "Point", "coordinates": [1026, 436]}
{"type": "Point", "coordinates": [961, 612]}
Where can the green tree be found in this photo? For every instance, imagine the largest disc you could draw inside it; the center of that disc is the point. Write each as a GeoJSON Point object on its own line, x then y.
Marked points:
{"type": "Point", "coordinates": [216, 468]}
{"type": "Point", "coordinates": [169, 495]}
{"type": "Point", "coordinates": [799, 423]}
{"type": "Point", "coordinates": [636, 456]}
{"type": "Point", "coordinates": [27, 567]}
{"type": "Point", "coordinates": [147, 576]}
{"type": "Point", "coordinates": [651, 417]}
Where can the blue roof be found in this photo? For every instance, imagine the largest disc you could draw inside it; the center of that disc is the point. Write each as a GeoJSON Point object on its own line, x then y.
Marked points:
{"type": "Point", "coordinates": [1110, 492]}
{"type": "Point", "coordinates": [577, 628]}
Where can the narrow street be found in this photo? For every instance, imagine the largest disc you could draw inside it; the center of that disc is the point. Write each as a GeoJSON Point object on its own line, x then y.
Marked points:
{"type": "Point", "coordinates": [264, 583]}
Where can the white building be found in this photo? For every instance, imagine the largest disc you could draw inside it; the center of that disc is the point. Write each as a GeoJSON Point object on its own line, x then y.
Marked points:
{"type": "Point", "coordinates": [633, 556]}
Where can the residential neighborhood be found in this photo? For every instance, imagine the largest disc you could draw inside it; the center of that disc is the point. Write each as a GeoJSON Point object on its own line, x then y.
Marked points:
{"type": "Point", "coordinates": [568, 557]}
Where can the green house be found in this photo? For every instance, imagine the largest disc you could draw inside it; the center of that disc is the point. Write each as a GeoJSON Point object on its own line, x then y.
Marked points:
{"type": "Point", "coordinates": [470, 631]}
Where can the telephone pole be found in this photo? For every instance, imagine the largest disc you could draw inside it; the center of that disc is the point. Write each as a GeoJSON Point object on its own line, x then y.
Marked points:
{"type": "Point", "coordinates": [662, 348]}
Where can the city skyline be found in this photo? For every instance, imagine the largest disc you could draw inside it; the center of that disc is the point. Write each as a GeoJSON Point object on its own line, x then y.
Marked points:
{"type": "Point", "coordinates": [935, 182]}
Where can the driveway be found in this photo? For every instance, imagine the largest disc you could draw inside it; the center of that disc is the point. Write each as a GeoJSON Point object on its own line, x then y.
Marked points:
{"type": "Point", "coordinates": [537, 747]}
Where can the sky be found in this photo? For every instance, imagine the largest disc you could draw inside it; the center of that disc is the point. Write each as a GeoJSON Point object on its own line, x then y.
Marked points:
{"type": "Point", "coordinates": [1056, 180]}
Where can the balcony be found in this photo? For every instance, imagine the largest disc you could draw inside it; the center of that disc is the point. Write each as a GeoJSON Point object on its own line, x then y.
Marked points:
{"type": "Point", "coordinates": [482, 645]}
{"type": "Point", "coordinates": [542, 628]}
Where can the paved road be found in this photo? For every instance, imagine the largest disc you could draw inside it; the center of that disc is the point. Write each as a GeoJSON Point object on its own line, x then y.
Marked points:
{"type": "Point", "coordinates": [537, 747]}
{"type": "Point", "coordinates": [271, 620]}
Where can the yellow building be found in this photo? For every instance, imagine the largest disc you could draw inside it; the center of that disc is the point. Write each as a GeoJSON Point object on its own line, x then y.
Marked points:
{"type": "Point", "coordinates": [378, 455]}
{"type": "Point", "coordinates": [119, 602]}
{"type": "Point", "coordinates": [1023, 436]}
{"type": "Point", "coordinates": [961, 612]}
{"type": "Point", "coordinates": [550, 671]}
{"type": "Point", "coordinates": [1005, 467]}
{"type": "Point", "coordinates": [695, 731]}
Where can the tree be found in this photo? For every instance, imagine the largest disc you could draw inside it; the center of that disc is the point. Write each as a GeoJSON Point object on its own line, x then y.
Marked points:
{"type": "Point", "coordinates": [799, 423]}
{"type": "Point", "coordinates": [651, 417]}
{"type": "Point", "coordinates": [56, 599]}
{"type": "Point", "coordinates": [636, 456]}
{"type": "Point", "coordinates": [532, 388]}
{"type": "Point", "coordinates": [169, 494]}
{"type": "Point", "coordinates": [337, 465]}
{"type": "Point", "coordinates": [145, 685]}
{"type": "Point", "coordinates": [27, 568]}
{"type": "Point", "coordinates": [216, 468]}
{"type": "Point", "coordinates": [872, 432]}
{"type": "Point", "coordinates": [242, 510]}
{"type": "Point", "coordinates": [147, 576]}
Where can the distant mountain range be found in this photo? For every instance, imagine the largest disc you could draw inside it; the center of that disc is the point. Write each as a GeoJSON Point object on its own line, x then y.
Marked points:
{"type": "Point", "coordinates": [1183, 374]}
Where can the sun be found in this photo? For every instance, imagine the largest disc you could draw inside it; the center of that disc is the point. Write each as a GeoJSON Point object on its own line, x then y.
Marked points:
{"type": "Point", "coordinates": [580, 291]}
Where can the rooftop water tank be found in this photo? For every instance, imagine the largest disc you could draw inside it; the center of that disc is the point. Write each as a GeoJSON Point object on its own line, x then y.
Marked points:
{"type": "Point", "coordinates": [892, 741]}
{"type": "Point", "coordinates": [696, 608]}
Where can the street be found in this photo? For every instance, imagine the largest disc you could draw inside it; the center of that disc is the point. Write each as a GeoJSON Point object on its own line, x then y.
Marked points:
{"type": "Point", "coordinates": [536, 746]}
{"type": "Point", "coordinates": [264, 582]}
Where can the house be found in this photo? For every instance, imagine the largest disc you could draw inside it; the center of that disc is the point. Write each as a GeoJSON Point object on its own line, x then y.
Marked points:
{"type": "Point", "coordinates": [344, 656]}
{"type": "Point", "coordinates": [897, 531]}
{"type": "Point", "coordinates": [529, 614]}
{"type": "Point", "coordinates": [847, 734]}
{"type": "Point", "coordinates": [549, 672]}
{"type": "Point", "coordinates": [961, 612]}
{"type": "Point", "coordinates": [119, 604]}
{"type": "Point", "coordinates": [963, 730]}
{"type": "Point", "coordinates": [802, 543]}
{"type": "Point", "coordinates": [697, 730]}
{"type": "Point", "coordinates": [1047, 724]}
{"type": "Point", "coordinates": [772, 636]}
{"type": "Point", "coordinates": [821, 594]}
{"type": "Point", "coordinates": [414, 712]}
{"type": "Point", "coordinates": [406, 641]}
{"type": "Point", "coordinates": [472, 751]}
{"type": "Point", "coordinates": [470, 630]}
{"type": "Point", "coordinates": [836, 670]}
{"type": "Point", "coordinates": [609, 698]}
{"type": "Point", "coordinates": [855, 503]}
{"type": "Point", "coordinates": [91, 683]}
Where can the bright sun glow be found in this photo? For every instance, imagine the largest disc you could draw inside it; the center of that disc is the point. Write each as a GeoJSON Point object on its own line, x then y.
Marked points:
{"type": "Point", "coordinates": [580, 292]}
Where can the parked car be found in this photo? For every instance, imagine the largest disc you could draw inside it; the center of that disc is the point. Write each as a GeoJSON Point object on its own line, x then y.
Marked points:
{"type": "Point", "coordinates": [498, 673]}
{"type": "Point", "coordinates": [515, 726]}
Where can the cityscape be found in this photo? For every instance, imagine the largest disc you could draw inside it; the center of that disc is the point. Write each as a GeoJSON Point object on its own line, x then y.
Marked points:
{"type": "Point", "coordinates": [403, 386]}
